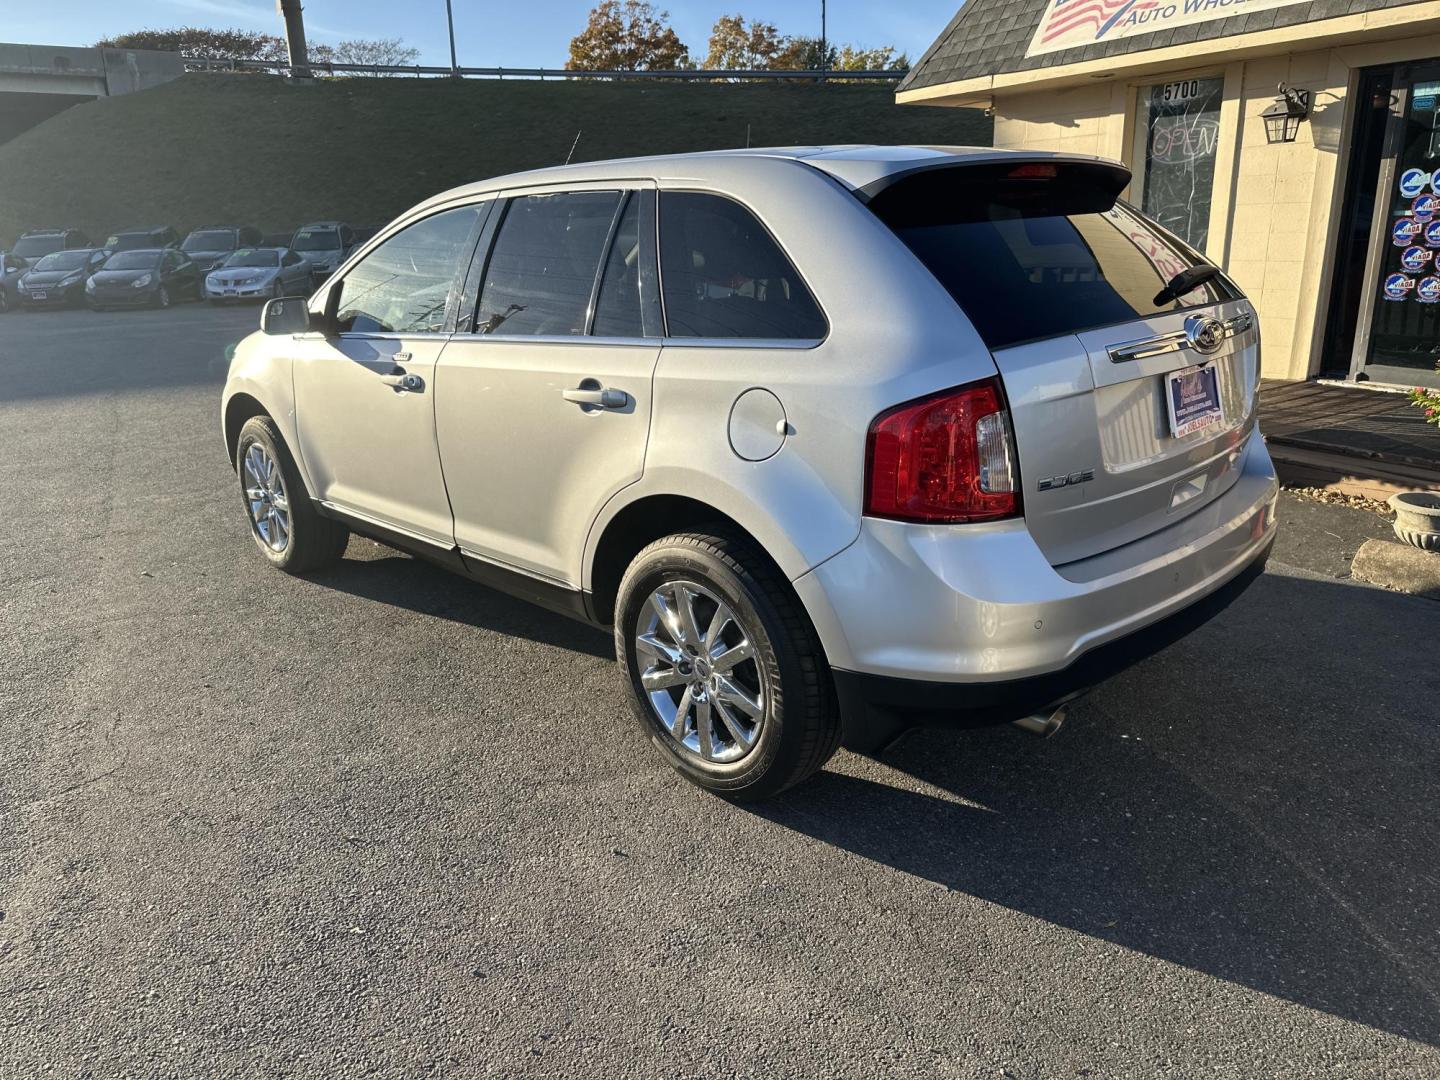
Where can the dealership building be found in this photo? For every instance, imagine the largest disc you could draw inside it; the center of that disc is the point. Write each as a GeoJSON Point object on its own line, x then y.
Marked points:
{"type": "Point", "coordinates": [1295, 142]}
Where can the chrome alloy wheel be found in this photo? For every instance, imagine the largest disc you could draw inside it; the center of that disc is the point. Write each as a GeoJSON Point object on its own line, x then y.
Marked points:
{"type": "Point", "coordinates": [265, 498]}
{"type": "Point", "coordinates": [704, 680]}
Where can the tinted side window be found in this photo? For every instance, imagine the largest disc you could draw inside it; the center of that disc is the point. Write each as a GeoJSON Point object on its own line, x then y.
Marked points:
{"type": "Point", "coordinates": [617, 312]}
{"type": "Point", "coordinates": [543, 265]}
{"type": "Point", "coordinates": [404, 284]}
{"type": "Point", "coordinates": [725, 277]}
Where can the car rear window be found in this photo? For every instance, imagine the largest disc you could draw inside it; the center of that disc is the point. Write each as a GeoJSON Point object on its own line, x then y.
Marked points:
{"type": "Point", "coordinates": [1033, 251]}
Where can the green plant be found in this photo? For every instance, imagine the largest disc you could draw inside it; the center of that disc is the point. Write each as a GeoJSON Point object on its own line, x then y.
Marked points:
{"type": "Point", "coordinates": [1429, 400]}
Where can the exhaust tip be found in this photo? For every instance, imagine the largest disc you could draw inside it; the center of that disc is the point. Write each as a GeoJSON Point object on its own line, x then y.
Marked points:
{"type": "Point", "coordinates": [1043, 724]}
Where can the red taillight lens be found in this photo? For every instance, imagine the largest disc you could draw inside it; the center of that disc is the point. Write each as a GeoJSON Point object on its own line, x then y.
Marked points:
{"type": "Point", "coordinates": [944, 458]}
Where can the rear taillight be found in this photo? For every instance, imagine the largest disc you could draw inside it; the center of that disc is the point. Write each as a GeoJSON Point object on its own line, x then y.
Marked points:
{"type": "Point", "coordinates": [946, 458]}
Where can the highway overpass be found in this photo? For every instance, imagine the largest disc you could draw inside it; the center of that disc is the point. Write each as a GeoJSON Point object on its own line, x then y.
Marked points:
{"type": "Point", "coordinates": [38, 81]}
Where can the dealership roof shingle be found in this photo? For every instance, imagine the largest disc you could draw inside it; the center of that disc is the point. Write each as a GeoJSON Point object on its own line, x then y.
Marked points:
{"type": "Point", "coordinates": [988, 37]}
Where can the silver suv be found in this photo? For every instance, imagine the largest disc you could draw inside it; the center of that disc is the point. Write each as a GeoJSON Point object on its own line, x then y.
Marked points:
{"type": "Point", "coordinates": [837, 440]}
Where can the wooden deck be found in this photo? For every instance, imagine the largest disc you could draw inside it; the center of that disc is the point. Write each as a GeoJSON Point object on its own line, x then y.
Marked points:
{"type": "Point", "coordinates": [1361, 441]}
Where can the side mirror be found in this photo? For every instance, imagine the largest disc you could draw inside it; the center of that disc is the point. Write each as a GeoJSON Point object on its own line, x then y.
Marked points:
{"type": "Point", "coordinates": [288, 315]}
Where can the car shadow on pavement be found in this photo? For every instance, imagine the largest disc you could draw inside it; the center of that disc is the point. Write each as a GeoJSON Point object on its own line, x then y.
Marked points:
{"type": "Point", "coordinates": [415, 585]}
{"type": "Point", "coordinates": [1260, 802]}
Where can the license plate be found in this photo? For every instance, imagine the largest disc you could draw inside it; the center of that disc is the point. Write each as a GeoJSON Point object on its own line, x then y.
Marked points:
{"type": "Point", "coordinates": [39, 296]}
{"type": "Point", "coordinates": [1192, 396]}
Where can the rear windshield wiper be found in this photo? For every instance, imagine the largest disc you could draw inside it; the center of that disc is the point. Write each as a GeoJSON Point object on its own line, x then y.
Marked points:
{"type": "Point", "coordinates": [1185, 281]}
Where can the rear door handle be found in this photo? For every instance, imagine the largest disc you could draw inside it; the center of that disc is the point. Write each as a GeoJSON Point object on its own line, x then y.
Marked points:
{"type": "Point", "coordinates": [403, 383]}
{"type": "Point", "coordinates": [603, 399]}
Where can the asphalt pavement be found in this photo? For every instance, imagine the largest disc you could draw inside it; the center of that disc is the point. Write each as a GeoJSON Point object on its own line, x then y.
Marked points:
{"type": "Point", "coordinates": [385, 822]}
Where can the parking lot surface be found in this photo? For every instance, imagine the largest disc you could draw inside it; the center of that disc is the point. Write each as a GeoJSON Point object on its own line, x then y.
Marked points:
{"type": "Point", "coordinates": [382, 821]}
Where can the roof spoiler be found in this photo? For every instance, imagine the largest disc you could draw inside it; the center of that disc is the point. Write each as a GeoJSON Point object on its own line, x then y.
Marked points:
{"type": "Point", "coordinates": [1107, 173]}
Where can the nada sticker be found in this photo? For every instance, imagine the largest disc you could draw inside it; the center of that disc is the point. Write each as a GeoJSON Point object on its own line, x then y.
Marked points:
{"type": "Point", "coordinates": [1427, 290]}
{"type": "Point", "coordinates": [1398, 286]}
{"type": "Point", "coordinates": [1425, 207]}
{"type": "Point", "coordinates": [1413, 182]}
{"type": "Point", "coordinates": [1415, 257]}
{"type": "Point", "coordinates": [1432, 234]}
{"type": "Point", "coordinates": [1404, 231]}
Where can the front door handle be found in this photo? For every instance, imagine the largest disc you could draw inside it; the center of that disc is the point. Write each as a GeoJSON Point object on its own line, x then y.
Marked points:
{"type": "Point", "coordinates": [403, 383]}
{"type": "Point", "coordinates": [598, 398]}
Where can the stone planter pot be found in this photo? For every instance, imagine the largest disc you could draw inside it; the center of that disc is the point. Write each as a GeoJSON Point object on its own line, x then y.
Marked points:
{"type": "Point", "coordinates": [1417, 518]}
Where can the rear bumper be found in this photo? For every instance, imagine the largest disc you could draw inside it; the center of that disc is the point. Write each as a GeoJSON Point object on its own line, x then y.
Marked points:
{"type": "Point", "coordinates": [975, 623]}
{"type": "Point", "coordinates": [876, 708]}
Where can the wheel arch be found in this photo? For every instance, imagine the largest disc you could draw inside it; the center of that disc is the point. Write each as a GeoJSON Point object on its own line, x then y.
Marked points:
{"type": "Point", "coordinates": [642, 522]}
{"type": "Point", "coordinates": [239, 408]}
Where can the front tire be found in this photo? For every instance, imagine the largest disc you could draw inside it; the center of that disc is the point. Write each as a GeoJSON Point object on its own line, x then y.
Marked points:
{"type": "Point", "coordinates": [725, 672]}
{"type": "Point", "coordinates": [283, 522]}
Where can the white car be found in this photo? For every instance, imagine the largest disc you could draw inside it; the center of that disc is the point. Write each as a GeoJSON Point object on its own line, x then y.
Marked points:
{"type": "Point", "coordinates": [833, 441]}
{"type": "Point", "coordinates": [259, 274]}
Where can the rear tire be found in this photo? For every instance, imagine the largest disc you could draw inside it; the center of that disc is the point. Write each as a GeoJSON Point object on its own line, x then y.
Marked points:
{"type": "Point", "coordinates": [745, 753]}
{"type": "Point", "coordinates": [286, 528]}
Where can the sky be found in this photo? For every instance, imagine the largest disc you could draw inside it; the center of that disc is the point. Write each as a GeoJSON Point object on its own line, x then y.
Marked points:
{"type": "Point", "coordinates": [489, 33]}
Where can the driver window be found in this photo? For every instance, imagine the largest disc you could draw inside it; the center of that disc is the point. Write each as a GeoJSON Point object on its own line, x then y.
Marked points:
{"type": "Point", "coordinates": [403, 286]}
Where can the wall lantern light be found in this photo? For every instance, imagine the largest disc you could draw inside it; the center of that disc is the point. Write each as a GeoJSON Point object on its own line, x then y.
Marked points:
{"type": "Point", "coordinates": [1282, 118]}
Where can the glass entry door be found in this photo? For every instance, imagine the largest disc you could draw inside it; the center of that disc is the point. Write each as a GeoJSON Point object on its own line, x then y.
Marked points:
{"type": "Point", "coordinates": [1398, 336]}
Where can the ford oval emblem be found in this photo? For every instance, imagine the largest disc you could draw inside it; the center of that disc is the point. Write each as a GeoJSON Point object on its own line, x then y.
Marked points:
{"type": "Point", "coordinates": [1204, 334]}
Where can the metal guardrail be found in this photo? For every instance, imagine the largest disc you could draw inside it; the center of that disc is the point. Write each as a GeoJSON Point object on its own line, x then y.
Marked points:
{"type": "Point", "coordinates": [423, 71]}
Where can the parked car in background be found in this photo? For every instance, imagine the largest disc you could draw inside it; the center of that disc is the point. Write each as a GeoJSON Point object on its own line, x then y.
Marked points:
{"type": "Point", "coordinates": [833, 439]}
{"type": "Point", "coordinates": [36, 243]}
{"type": "Point", "coordinates": [325, 244]}
{"type": "Point", "coordinates": [210, 245]}
{"type": "Point", "coordinates": [142, 238]}
{"type": "Point", "coordinates": [257, 274]}
{"type": "Point", "coordinates": [58, 280]}
{"type": "Point", "coordinates": [145, 277]}
{"type": "Point", "coordinates": [11, 267]}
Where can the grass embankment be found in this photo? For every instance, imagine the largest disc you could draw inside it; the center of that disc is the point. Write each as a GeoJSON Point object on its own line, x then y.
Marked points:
{"type": "Point", "coordinates": [260, 150]}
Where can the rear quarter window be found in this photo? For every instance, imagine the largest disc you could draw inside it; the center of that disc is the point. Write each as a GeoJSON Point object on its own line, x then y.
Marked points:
{"type": "Point", "coordinates": [724, 276]}
{"type": "Point", "coordinates": [1041, 255]}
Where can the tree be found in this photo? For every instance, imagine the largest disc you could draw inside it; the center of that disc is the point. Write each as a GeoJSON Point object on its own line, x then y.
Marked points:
{"type": "Point", "coordinates": [738, 45]}
{"type": "Point", "coordinates": [806, 54]}
{"type": "Point", "coordinates": [627, 35]}
{"type": "Point", "coordinates": [202, 43]}
{"type": "Point", "coordinates": [884, 58]}
{"type": "Point", "coordinates": [382, 52]}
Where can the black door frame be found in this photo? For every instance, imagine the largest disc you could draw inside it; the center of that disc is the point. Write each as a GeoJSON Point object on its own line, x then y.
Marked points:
{"type": "Point", "coordinates": [1360, 369]}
